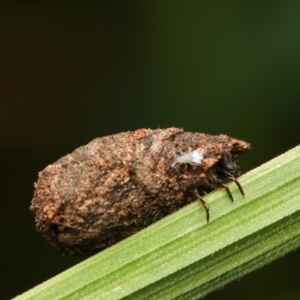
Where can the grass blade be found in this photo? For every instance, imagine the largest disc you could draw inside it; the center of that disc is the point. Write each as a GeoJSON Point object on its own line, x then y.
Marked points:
{"type": "Point", "coordinates": [183, 257]}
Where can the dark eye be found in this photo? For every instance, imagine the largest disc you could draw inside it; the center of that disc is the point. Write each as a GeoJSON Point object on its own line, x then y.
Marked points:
{"type": "Point", "coordinates": [227, 166]}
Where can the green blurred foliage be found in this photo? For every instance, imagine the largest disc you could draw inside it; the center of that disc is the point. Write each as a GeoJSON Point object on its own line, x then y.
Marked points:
{"type": "Point", "coordinates": [74, 71]}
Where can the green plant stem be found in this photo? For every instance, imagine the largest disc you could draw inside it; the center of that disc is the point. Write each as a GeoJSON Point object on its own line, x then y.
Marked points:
{"type": "Point", "coordinates": [183, 257]}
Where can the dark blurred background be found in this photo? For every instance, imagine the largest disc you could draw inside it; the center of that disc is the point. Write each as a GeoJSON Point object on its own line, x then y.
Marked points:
{"type": "Point", "coordinates": [70, 72]}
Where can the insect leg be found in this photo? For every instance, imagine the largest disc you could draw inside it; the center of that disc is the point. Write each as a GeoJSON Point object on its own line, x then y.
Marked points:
{"type": "Point", "coordinates": [224, 185]}
{"type": "Point", "coordinates": [203, 203]}
{"type": "Point", "coordinates": [239, 186]}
